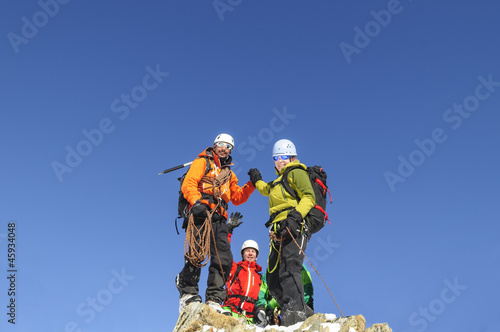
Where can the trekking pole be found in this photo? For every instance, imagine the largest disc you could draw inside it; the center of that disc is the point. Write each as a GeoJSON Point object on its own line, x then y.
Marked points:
{"type": "Point", "coordinates": [175, 168]}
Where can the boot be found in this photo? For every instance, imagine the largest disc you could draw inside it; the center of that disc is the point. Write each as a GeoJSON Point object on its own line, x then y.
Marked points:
{"type": "Point", "coordinates": [216, 306]}
{"type": "Point", "coordinates": [290, 318]}
{"type": "Point", "coordinates": [186, 299]}
{"type": "Point", "coordinates": [309, 311]}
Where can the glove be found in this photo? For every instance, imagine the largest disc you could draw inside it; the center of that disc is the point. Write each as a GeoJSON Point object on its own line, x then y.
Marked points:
{"type": "Point", "coordinates": [261, 318]}
{"type": "Point", "coordinates": [254, 175]}
{"type": "Point", "coordinates": [199, 210]}
{"type": "Point", "coordinates": [293, 222]}
{"type": "Point", "coordinates": [234, 221]}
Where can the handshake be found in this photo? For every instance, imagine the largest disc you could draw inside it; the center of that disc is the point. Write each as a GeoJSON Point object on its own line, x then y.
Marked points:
{"type": "Point", "coordinates": [254, 175]}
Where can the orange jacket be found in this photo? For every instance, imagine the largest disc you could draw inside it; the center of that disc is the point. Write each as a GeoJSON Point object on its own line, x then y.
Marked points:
{"type": "Point", "coordinates": [193, 189]}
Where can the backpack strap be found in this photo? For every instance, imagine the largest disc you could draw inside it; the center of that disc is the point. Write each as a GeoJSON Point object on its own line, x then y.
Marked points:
{"type": "Point", "coordinates": [286, 184]}
{"type": "Point", "coordinates": [207, 166]}
{"type": "Point", "coordinates": [238, 269]}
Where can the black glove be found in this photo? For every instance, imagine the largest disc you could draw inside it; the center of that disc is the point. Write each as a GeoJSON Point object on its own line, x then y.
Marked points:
{"type": "Point", "coordinates": [261, 318]}
{"type": "Point", "coordinates": [254, 175]}
{"type": "Point", "coordinates": [199, 210]}
{"type": "Point", "coordinates": [293, 222]}
{"type": "Point", "coordinates": [234, 221]}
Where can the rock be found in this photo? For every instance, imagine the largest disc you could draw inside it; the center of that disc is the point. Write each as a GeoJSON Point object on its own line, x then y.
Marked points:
{"type": "Point", "coordinates": [379, 328]}
{"type": "Point", "coordinates": [196, 315]}
{"type": "Point", "coordinates": [200, 317]}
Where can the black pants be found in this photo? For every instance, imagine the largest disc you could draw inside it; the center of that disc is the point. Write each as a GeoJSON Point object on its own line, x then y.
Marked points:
{"type": "Point", "coordinates": [284, 275]}
{"type": "Point", "coordinates": [188, 278]}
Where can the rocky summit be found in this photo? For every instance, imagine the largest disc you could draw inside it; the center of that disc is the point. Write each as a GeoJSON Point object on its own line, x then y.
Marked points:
{"type": "Point", "coordinates": [200, 317]}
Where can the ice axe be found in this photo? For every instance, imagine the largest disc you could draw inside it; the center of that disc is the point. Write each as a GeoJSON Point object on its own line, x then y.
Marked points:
{"type": "Point", "coordinates": [175, 168]}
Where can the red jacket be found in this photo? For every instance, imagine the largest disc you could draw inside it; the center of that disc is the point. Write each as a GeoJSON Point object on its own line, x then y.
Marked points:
{"type": "Point", "coordinates": [193, 189]}
{"type": "Point", "coordinates": [243, 291]}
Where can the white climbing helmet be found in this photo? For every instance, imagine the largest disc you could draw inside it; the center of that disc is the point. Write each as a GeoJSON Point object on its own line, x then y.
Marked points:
{"type": "Point", "coordinates": [224, 138]}
{"type": "Point", "coordinates": [284, 147]}
{"type": "Point", "coordinates": [250, 244]}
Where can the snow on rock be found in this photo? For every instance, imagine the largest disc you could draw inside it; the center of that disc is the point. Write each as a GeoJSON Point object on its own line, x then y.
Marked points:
{"type": "Point", "coordinates": [200, 317]}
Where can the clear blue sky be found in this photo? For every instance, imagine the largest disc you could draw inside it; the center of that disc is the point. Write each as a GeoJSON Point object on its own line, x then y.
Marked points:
{"type": "Point", "coordinates": [398, 100]}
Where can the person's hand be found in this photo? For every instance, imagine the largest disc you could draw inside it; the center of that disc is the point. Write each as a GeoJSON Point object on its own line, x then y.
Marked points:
{"type": "Point", "coordinates": [293, 222]}
{"type": "Point", "coordinates": [261, 318]}
{"type": "Point", "coordinates": [199, 210]}
{"type": "Point", "coordinates": [234, 221]}
{"type": "Point", "coordinates": [254, 175]}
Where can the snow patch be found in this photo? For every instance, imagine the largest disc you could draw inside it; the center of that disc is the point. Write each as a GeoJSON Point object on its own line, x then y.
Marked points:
{"type": "Point", "coordinates": [332, 327]}
{"type": "Point", "coordinates": [330, 317]}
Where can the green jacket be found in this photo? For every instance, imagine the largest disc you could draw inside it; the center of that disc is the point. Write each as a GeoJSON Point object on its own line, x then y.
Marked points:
{"type": "Point", "coordinates": [267, 303]}
{"type": "Point", "coordinates": [279, 199]}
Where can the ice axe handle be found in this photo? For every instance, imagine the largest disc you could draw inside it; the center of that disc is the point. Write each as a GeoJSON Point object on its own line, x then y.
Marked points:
{"type": "Point", "coordinates": [175, 168]}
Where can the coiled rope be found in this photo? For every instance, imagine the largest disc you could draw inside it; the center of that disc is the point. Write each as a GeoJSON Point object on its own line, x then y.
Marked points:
{"type": "Point", "coordinates": [197, 240]}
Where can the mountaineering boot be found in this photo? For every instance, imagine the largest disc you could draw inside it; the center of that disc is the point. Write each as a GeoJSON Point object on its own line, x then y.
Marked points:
{"type": "Point", "coordinates": [309, 311]}
{"type": "Point", "coordinates": [186, 299]}
{"type": "Point", "coordinates": [216, 306]}
{"type": "Point", "coordinates": [290, 318]}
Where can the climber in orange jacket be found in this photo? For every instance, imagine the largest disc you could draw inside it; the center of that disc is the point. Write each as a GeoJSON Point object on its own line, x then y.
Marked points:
{"type": "Point", "coordinates": [206, 194]}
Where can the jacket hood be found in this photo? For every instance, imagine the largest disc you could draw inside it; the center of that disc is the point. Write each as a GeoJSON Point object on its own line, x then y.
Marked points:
{"type": "Point", "coordinates": [294, 163]}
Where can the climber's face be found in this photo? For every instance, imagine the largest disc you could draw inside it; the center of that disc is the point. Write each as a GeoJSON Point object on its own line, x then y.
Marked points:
{"type": "Point", "coordinates": [222, 150]}
{"type": "Point", "coordinates": [249, 254]}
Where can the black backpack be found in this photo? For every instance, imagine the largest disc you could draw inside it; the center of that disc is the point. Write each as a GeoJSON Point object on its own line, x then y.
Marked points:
{"type": "Point", "coordinates": [183, 204]}
{"type": "Point", "coordinates": [317, 216]}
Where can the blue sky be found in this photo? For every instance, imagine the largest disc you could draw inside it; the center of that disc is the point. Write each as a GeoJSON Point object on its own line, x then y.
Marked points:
{"type": "Point", "coordinates": [397, 100]}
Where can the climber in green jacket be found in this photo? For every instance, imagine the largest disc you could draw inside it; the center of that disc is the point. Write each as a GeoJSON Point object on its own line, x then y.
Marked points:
{"type": "Point", "coordinates": [268, 309]}
{"type": "Point", "coordinates": [287, 229]}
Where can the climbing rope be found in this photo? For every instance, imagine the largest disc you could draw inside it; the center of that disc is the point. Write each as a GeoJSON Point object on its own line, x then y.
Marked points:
{"type": "Point", "coordinates": [303, 253]}
{"type": "Point", "coordinates": [197, 240]}
{"type": "Point", "coordinates": [275, 239]}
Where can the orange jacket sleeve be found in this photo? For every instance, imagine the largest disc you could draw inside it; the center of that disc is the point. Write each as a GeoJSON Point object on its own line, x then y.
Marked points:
{"type": "Point", "coordinates": [193, 177]}
{"type": "Point", "coordinates": [240, 195]}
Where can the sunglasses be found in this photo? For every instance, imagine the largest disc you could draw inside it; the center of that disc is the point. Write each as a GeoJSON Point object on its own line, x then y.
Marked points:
{"type": "Point", "coordinates": [224, 145]}
{"type": "Point", "coordinates": [276, 158]}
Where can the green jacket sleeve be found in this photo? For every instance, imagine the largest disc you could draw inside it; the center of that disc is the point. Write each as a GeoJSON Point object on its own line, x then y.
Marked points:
{"type": "Point", "coordinates": [308, 287]}
{"type": "Point", "coordinates": [264, 301]}
{"type": "Point", "coordinates": [263, 187]}
{"type": "Point", "coordinates": [261, 303]}
{"type": "Point", "coordinates": [300, 182]}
